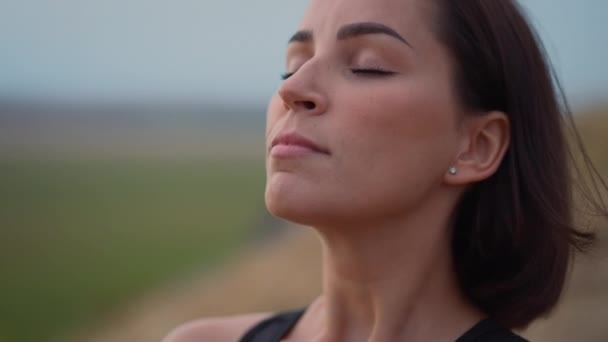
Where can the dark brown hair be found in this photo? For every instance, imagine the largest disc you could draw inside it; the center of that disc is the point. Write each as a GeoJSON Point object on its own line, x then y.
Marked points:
{"type": "Point", "coordinates": [514, 233]}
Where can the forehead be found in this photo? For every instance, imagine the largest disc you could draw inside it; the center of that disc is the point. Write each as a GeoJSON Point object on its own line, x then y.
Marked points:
{"type": "Point", "coordinates": [325, 17]}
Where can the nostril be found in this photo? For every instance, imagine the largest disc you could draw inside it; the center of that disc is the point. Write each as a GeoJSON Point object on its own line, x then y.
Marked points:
{"type": "Point", "coordinates": [309, 105]}
{"type": "Point", "coordinates": [302, 105]}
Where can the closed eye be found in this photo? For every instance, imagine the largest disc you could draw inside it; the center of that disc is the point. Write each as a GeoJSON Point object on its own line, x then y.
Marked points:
{"type": "Point", "coordinates": [367, 72]}
{"type": "Point", "coordinates": [372, 72]}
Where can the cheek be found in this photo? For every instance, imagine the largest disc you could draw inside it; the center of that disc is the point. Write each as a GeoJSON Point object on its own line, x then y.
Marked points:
{"type": "Point", "coordinates": [390, 119]}
{"type": "Point", "coordinates": [273, 113]}
{"type": "Point", "coordinates": [397, 134]}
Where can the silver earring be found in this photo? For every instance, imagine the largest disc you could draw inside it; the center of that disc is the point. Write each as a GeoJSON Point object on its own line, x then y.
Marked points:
{"type": "Point", "coordinates": [453, 170]}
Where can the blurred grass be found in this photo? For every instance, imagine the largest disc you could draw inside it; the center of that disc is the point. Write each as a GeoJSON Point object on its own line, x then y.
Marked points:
{"type": "Point", "coordinates": [80, 237]}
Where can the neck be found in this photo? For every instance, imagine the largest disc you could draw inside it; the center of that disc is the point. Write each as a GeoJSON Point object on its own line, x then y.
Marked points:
{"type": "Point", "coordinates": [392, 281]}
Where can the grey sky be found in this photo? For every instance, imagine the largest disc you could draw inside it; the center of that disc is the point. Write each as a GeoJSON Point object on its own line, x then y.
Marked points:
{"type": "Point", "coordinates": [225, 50]}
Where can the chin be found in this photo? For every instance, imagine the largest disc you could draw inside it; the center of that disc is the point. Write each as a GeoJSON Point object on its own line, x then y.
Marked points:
{"type": "Point", "coordinates": [296, 201]}
{"type": "Point", "coordinates": [289, 207]}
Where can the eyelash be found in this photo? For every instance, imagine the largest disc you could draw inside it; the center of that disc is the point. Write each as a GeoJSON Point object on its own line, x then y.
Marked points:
{"type": "Point", "coordinates": [362, 72]}
{"type": "Point", "coordinates": [286, 75]}
{"type": "Point", "coordinates": [372, 72]}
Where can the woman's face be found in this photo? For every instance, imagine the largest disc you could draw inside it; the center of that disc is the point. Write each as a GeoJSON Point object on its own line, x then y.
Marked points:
{"type": "Point", "coordinates": [371, 87]}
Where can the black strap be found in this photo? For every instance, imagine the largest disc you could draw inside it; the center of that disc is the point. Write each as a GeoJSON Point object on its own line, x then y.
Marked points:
{"type": "Point", "coordinates": [277, 327]}
{"type": "Point", "coordinates": [488, 330]}
{"type": "Point", "coordinates": [273, 329]}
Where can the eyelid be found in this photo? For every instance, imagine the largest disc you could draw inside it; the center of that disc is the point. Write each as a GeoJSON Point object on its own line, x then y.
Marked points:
{"type": "Point", "coordinates": [371, 68]}
{"type": "Point", "coordinates": [297, 54]}
{"type": "Point", "coordinates": [293, 65]}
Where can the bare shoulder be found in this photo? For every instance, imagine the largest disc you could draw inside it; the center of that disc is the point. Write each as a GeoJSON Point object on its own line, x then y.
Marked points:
{"type": "Point", "coordinates": [220, 329]}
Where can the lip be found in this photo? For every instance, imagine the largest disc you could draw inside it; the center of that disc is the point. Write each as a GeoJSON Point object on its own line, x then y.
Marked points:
{"type": "Point", "coordinates": [293, 144]}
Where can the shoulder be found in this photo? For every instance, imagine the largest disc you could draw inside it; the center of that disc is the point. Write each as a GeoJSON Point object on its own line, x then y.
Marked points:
{"type": "Point", "coordinates": [219, 329]}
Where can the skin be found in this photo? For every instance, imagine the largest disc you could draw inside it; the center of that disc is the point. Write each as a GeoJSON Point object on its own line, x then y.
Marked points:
{"type": "Point", "coordinates": [381, 198]}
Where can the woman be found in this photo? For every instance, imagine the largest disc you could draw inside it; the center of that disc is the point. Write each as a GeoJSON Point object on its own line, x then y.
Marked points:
{"type": "Point", "coordinates": [422, 140]}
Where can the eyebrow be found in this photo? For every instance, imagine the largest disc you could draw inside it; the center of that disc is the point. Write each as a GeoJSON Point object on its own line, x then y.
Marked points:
{"type": "Point", "coordinates": [352, 31]}
{"type": "Point", "coordinates": [360, 29]}
{"type": "Point", "coordinates": [301, 37]}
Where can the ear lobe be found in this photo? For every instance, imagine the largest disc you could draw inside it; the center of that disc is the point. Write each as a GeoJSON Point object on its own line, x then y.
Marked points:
{"type": "Point", "coordinates": [487, 140]}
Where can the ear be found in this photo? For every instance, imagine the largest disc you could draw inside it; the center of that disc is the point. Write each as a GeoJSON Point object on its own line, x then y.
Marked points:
{"type": "Point", "coordinates": [486, 138]}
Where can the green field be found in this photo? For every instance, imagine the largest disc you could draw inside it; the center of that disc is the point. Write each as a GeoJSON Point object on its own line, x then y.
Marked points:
{"type": "Point", "coordinates": [78, 239]}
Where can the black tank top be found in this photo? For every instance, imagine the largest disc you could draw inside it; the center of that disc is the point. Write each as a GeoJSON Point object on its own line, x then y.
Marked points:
{"type": "Point", "coordinates": [278, 327]}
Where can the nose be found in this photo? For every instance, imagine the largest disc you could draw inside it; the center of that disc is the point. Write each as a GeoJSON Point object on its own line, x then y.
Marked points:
{"type": "Point", "coordinates": [302, 93]}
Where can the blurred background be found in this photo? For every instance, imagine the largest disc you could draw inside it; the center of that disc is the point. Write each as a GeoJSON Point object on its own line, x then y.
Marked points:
{"type": "Point", "coordinates": [132, 176]}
